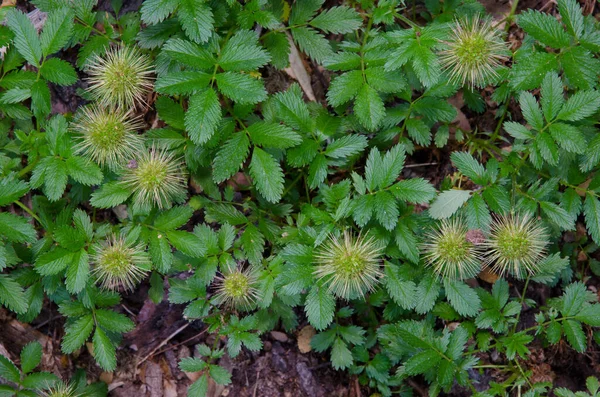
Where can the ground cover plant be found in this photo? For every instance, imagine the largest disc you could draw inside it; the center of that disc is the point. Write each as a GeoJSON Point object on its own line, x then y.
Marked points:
{"type": "Point", "coordinates": [423, 195]}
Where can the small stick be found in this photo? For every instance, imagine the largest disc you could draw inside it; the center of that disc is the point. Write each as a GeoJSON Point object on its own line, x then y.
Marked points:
{"type": "Point", "coordinates": [164, 342]}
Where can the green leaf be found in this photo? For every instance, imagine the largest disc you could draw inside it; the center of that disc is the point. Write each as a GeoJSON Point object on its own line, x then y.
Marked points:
{"type": "Point", "coordinates": [320, 307]}
{"type": "Point", "coordinates": [84, 171]}
{"type": "Point", "coordinates": [196, 19]}
{"type": "Point", "coordinates": [58, 29]}
{"type": "Point", "coordinates": [341, 356]}
{"type": "Point", "coordinates": [53, 262]}
{"type": "Point", "coordinates": [517, 130]}
{"type": "Point", "coordinates": [9, 371]}
{"type": "Point", "coordinates": [273, 135]}
{"type": "Point", "coordinates": [243, 53]}
{"type": "Point", "coordinates": [448, 202]}
{"type": "Point", "coordinates": [337, 20]}
{"type": "Point", "coordinates": [575, 335]}
{"type": "Point", "coordinates": [189, 54]}
{"type": "Point", "coordinates": [422, 362]}
{"type": "Point", "coordinates": [77, 333]}
{"type": "Point", "coordinates": [180, 83]}
{"type": "Point", "coordinates": [104, 351]}
{"type": "Point", "coordinates": [55, 181]}
{"type": "Point", "coordinates": [303, 10]}
{"type": "Point", "coordinates": [199, 388]}
{"type": "Point", "coordinates": [579, 67]}
{"type": "Point", "coordinates": [78, 272]}
{"type": "Point", "coordinates": [113, 321]}
{"type": "Point", "coordinates": [407, 242]}
{"type": "Point", "coordinates": [12, 296]}
{"type": "Point", "coordinates": [220, 375]}
{"type": "Point", "coordinates": [572, 16]}
{"type": "Point", "coordinates": [369, 107]}
{"type": "Point", "coordinates": [415, 190]}
{"type": "Point", "coordinates": [230, 156]}
{"type": "Point", "coordinates": [58, 71]}
{"type": "Point", "coordinates": [26, 39]}
{"type": "Point", "coordinates": [173, 218]}
{"type": "Point", "coordinates": [40, 99]}
{"type": "Point", "coordinates": [547, 148]}
{"type": "Point", "coordinates": [418, 131]}
{"type": "Point", "coordinates": [344, 88]}
{"type": "Point", "coordinates": [401, 291]}
{"type": "Point", "coordinates": [203, 116]}
{"type": "Point", "coordinates": [529, 71]}
{"type": "Point", "coordinates": [579, 106]}
{"type": "Point", "coordinates": [160, 251]}
{"type": "Point", "coordinates": [545, 28]}
{"type": "Point", "coordinates": [11, 189]}
{"type": "Point", "coordinates": [241, 88]}
{"type": "Point", "coordinates": [267, 175]}
{"type": "Point", "coordinates": [346, 146]}
{"type": "Point", "coordinates": [462, 297]}
{"type": "Point", "coordinates": [253, 244]}
{"type": "Point", "coordinates": [31, 355]}
{"type": "Point", "coordinates": [154, 11]}
{"type": "Point", "coordinates": [552, 95]}
{"type": "Point", "coordinates": [110, 195]}
{"type": "Point", "coordinates": [386, 210]}
{"type": "Point", "coordinates": [591, 210]}
{"type": "Point", "coordinates": [16, 229]}
{"type": "Point", "coordinates": [568, 137]}
{"type": "Point", "coordinates": [373, 170]}
{"type": "Point", "coordinates": [426, 295]}
{"type": "Point", "coordinates": [312, 43]}
{"type": "Point", "coordinates": [558, 215]}
{"type": "Point", "coordinates": [517, 344]}
{"type": "Point", "coordinates": [468, 166]}
{"type": "Point", "coordinates": [531, 110]}
{"type": "Point", "coordinates": [170, 112]}
{"type": "Point", "coordinates": [186, 242]}
{"type": "Point", "coordinates": [478, 214]}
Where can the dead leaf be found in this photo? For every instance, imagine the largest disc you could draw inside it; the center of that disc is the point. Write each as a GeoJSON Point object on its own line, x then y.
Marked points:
{"type": "Point", "coordinates": [488, 275]}
{"type": "Point", "coordinates": [298, 72]}
{"type": "Point", "coordinates": [304, 337]}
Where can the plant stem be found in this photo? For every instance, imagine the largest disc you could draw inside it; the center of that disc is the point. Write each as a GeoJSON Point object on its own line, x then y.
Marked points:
{"type": "Point", "coordinates": [29, 211]}
{"type": "Point", "coordinates": [521, 304]}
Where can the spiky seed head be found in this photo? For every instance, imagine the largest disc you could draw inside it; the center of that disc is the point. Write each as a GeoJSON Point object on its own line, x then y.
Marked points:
{"type": "Point", "coordinates": [516, 244]}
{"type": "Point", "coordinates": [237, 289]}
{"type": "Point", "coordinates": [119, 264]}
{"type": "Point", "coordinates": [120, 78]}
{"type": "Point", "coordinates": [107, 136]}
{"type": "Point", "coordinates": [473, 52]}
{"type": "Point", "coordinates": [61, 389]}
{"type": "Point", "coordinates": [156, 178]}
{"type": "Point", "coordinates": [350, 266]}
{"type": "Point", "coordinates": [451, 250]}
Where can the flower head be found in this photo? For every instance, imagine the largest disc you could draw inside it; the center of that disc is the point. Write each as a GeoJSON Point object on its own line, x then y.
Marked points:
{"type": "Point", "coordinates": [120, 78]}
{"type": "Point", "coordinates": [473, 51]}
{"type": "Point", "coordinates": [350, 266]}
{"type": "Point", "coordinates": [107, 136]}
{"type": "Point", "coordinates": [61, 389]}
{"type": "Point", "coordinates": [118, 263]}
{"type": "Point", "coordinates": [516, 245]}
{"type": "Point", "coordinates": [156, 178]}
{"type": "Point", "coordinates": [237, 289]}
{"type": "Point", "coordinates": [452, 251]}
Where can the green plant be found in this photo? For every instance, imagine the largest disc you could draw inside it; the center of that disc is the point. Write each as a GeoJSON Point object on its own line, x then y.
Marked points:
{"type": "Point", "coordinates": [411, 214]}
{"type": "Point", "coordinates": [26, 382]}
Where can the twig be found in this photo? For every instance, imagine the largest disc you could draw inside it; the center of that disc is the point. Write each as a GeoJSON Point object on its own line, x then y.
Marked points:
{"type": "Point", "coordinates": [164, 342]}
{"type": "Point", "coordinates": [419, 165]}
{"type": "Point", "coordinates": [182, 343]}
{"type": "Point", "coordinates": [256, 383]}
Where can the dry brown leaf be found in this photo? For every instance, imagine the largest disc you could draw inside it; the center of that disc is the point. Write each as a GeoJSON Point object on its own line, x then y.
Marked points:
{"type": "Point", "coordinates": [304, 337]}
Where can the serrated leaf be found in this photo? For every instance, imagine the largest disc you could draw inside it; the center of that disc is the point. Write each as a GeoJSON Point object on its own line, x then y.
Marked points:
{"type": "Point", "coordinates": [401, 291]}
{"type": "Point", "coordinates": [154, 11]}
{"type": "Point", "coordinates": [337, 20]}
{"type": "Point", "coordinates": [241, 88]}
{"type": "Point", "coordinates": [110, 195]}
{"type": "Point", "coordinates": [77, 333]}
{"type": "Point", "coordinates": [12, 189]}
{"type": "Point", "coordinates": [552, 98]}
{"type": "Point", "coordinates": [531, 110]}
{"type": "Point", "coordinates": [113, 321]}
{"type": "Point", "coordinates": [312, 43]}
{"type": "Point", "coordinates": [230, 157]}
{"type": "Point", "coordinates": [186, 242]}
{"type": "Point", "coordinates": [448, 202]}
{"type": "Point", "coordinates": [462, 298]}
{"type": "Point", "coordinates": [415, 190]}
{"type": "Point", "coordinates": [568, 137]}
{"type": "Point", "coordinates": [369, 107]}
{"type": "Point", "coordinates": [267, 175]}
{"type": "Point", "coordinates": [12, 296]}
{"type": "Point", "coordinates": [31, 355]}
{"type": "Point", "coordinates": [421, 362]}
{"type": "Point", "coordinates": [529, 71]}
{"type": "Point", "coordinates": [319, 307]}
{"type": "Point", "coordinates": [341, 356]}
{"type": "Point", "coordinates": [344, 88]}
{"type": "Point", "coordinates": [78, 272]}
{"type": "Point", "coordinates": [273, 135]}
{"type": "Point", "coordinates": [386, 210]}
{"type": "Point", "coordinates": [427, 292]}
{"type": "Point", "coordinates": [468, 166]}
{"type": "Point", "coordinates": [160, 251]}
{"type": "Point", "coordinates": [575, 335]}
{"type": "Point", "coordinates": [16, 229]}
{"type": "Point", "coordinates": [243, 53]}
{"type": "Point", "coordinates": [58, 71]}
{"type": "Point", "coordinates": [591, 210]}
{"type": "Point", "coordinates": [9, 371]}
{"type": "Point", "coordinates": [84, 171]}
{"type": "Point", "coordinates": [189, 53]}
{"type": "Point", "coordinates": [346, 146]}
{"type": "Point", "coordinates": [580, 105]}
{"type": "Point", "coordinates": [196, 19]}
{"type": "Point", "coordinates": [57, 31]}
{"type": "Point", "coordinates": [26, 39]}
{"type": "Point", "coordinates": [545, 28]}
{"type": "Point", "coordinates": [203, 116]}
{"type": "Point", "coordinates": [104, 350]}
{"type": "Point", "coordinates": [178, 83]}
